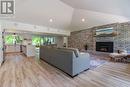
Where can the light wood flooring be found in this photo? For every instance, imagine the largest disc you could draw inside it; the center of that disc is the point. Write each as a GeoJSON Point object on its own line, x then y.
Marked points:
{"type": "Point", "coordinates": [19, 71]}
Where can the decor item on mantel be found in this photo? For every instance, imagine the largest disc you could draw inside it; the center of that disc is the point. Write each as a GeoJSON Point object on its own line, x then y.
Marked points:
{"type": "Point", "coordinates": [115, 34]}
{"type": "Point", "coordinates": [86, 47]}
{"type": "Point", "coordinates": [106, 32]}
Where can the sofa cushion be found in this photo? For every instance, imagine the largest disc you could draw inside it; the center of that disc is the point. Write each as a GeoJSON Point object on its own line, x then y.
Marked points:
{"type": "Point", "coordinates": [76, 51]}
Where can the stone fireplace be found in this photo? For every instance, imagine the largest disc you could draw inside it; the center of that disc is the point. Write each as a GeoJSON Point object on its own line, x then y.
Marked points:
{"type": "Point", "coordinates": [78, 39]}
{"type": "Point", "coordinates": [104, 47]}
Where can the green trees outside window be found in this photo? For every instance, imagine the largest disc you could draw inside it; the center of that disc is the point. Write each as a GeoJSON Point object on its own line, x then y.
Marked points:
{"type": "Point", "coordinates": [12, 39]}
{"type": "Point", "coordinates": [9, 39]}
{"type": "Point", "coordinates": [37, 40]}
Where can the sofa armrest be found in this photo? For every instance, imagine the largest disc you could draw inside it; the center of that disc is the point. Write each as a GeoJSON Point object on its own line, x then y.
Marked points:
{"type": "Point", "coordinates": [81, 63]}
{"type": "Point", "coordinates": [84, 55]}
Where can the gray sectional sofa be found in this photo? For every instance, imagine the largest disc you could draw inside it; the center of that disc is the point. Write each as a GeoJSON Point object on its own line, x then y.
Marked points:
{"type": "Point", "coordinates": [68, 60]}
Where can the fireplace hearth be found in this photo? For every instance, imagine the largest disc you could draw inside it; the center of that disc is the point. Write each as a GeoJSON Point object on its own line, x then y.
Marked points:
{"type": "Point", "coordinates": [104, 47]}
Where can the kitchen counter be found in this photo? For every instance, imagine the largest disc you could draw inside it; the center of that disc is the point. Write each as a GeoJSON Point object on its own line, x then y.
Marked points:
{"type": "Point", "coordinates": [12, 48]}
{"type": "Point", "coordinates": [28, 50]}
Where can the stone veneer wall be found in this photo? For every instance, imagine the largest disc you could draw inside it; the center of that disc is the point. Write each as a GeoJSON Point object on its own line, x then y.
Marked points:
{"type": "Point", "coordinates": [79, 39]}
{"type": "Point", "coordinates": [122, 41]}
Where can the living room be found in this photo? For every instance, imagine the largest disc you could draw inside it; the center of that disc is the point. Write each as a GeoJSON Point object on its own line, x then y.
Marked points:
{"type": "Point", "coordinates": [64, 43]}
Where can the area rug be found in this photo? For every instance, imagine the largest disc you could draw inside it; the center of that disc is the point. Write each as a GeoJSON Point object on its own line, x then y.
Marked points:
{"type": "Point", "coordinates": [96, 63]}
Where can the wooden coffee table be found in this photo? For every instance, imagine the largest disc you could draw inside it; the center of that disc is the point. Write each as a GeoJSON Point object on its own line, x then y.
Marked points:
{"type": "Point", "coordinates": [128, 56]}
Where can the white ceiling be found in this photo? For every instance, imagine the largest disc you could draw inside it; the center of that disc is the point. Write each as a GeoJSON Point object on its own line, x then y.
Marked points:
{"type": "Point", "coordinates": [67, 14]}
{"type": "Point", "coordinates": [39, 12]}
{"type": "Point", "coordinates": [116, 7]}
{"type": "Point", "coordinates": [93, 18]}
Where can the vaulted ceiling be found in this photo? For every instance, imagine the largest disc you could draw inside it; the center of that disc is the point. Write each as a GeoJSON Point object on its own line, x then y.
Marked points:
{"type": "Point", "coordinates": [67, 14]}
{"type": "Point", "coordinates": [98, 12]}
{"type": "Point", "coordinates": [116, 7]}
{"type": "Point", "coordinates": [39, 12]}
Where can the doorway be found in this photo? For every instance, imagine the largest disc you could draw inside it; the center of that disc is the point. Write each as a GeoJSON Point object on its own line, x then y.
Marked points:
{"type": "Point", "coordinates": [12, 43]}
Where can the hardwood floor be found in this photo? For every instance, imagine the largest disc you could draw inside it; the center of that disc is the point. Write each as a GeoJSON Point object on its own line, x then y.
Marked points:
{"type": "Point", "coordinates": [19, 71]}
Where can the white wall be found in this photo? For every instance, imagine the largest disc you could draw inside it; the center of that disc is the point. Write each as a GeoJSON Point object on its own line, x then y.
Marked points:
{"type": "Point", "coordinates": [65, 40]}
{"type": "Point", "coordinates": [1, 46]}
{"type": "Point", "coordinates": [92, 19]}
{"type": "Point", "coordinates": [59, 41]}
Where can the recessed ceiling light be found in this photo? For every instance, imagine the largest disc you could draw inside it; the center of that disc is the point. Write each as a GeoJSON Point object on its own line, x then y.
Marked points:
{"type": "Point", "coordinates": [83, 20]}
{"type": "Point", "coordinates": [51, 20]}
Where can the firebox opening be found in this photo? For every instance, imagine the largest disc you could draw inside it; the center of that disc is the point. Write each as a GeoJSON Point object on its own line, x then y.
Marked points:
{"type": "Point", "coordinates": [104, 47]}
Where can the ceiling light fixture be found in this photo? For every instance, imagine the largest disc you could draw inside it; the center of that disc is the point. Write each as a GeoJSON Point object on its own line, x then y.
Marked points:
{"type": "Point", "coordinates": [51, 20]}
{"type": "Point", "coordinates": [83, 20]}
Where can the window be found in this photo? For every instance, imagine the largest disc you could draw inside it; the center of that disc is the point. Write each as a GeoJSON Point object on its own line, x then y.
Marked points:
{"type": "Point", "coordinates": [9, 39]}
{"type": "Point", "coordinates": [12, 39]}
{"type": "Point", "coordinates": [49, 40]}
{"type": "Point", "coordinates": [37, 40]}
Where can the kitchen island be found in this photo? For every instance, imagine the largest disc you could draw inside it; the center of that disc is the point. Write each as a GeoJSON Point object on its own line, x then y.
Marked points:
{"type": "Point", "coordinates": [28, 50]}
